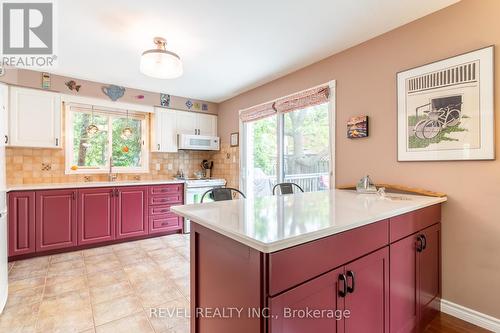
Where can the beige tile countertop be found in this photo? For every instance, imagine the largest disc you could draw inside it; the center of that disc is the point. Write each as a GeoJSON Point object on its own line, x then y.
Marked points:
{"type": "Point", "coordinates": [53, 186]}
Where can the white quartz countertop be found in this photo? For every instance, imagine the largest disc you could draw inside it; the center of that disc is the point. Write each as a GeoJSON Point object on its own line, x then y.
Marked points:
{"type": "Point", "coordinates": [274, 223]}
{"type": "Point", "coordinates": [53, 186]}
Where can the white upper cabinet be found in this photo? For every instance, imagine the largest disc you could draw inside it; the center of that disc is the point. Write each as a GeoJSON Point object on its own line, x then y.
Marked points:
{"type": "Point", "coordinates": [186, 122]}
{"type": "Point", "coordinates": [34, 118]}
{"type": "Point", "coordinates": [196, 123]}
{"type": "Point", "coordinates": [165, 132]}
{"type": "Point", "coordinates": [4, 103]}
{"type": "Point", "coordinates": [207, 124]}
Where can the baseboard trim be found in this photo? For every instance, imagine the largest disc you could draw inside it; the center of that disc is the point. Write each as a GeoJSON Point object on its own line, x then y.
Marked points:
{"type": "Point", "coordinates": [471, 316]}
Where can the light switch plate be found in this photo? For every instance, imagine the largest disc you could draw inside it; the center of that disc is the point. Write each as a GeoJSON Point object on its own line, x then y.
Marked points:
{"type": "Point", "coordinates": [170, 166]}
{"type": "Point", "coordinates": [158, 166]}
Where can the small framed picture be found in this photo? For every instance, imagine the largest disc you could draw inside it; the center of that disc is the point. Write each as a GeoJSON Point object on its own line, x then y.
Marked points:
{"type": "Point", "coordinates": [234, 139]}
{"type": "Point", "coordinates": [357, 127]}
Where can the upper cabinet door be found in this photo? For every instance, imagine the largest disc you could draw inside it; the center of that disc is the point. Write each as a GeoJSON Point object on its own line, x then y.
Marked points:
{"type": "Point", "coordinates": [34, 118]}
{"type": "Point", "coordinates": [4, 103]}
{"type": "Point", "coordinates": [165, 138]}
{"type": "Point", "coordinates": [207, 124]}
{"type": "Point", "coordinates": [186, 122]}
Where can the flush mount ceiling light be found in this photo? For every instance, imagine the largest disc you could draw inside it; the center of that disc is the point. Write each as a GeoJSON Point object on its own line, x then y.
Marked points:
{"type": "Point", "coordinates": [159, 62]}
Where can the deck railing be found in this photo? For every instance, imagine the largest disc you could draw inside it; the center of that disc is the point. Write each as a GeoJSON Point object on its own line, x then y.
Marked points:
{"type": "Point", "coordinates": [310, 182]}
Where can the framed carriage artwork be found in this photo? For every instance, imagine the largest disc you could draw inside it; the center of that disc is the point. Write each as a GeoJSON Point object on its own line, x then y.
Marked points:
{"type": "Point", "coordinates": [445, 109]}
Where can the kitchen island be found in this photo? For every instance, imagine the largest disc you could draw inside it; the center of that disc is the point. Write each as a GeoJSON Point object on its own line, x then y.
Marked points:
{"type": "Point", "coordinates": [333, 261]}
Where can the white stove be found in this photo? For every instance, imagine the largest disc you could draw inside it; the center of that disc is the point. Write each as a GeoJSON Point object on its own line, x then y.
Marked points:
{"type": "Point", "coordinates": [204, 182]}
{"type": "Point", "coordinates": [194, 190]}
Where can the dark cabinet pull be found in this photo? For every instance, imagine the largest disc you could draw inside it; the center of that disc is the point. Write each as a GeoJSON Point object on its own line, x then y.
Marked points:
{"type": "Point", "coordinates": [73, 195]}
{"type": "Point", "coordinates": [424, 240]}
{"type": "Point", "coordinates": [350, 275]}
{"type": "Point", "coordinates": [57, 142]}
{"type": "Point", "coordinates": [343, 280]}
{"type": "Point", "coordinates": [6, 139]}
{"type": "Point", "coordinates": [112, 193]}
{"type": "Point", "coordinates": [420, 243]}
{"type": "Point", "coordinates": [158, 147]}
{"type": "Point", "coordinates": [116, 192]}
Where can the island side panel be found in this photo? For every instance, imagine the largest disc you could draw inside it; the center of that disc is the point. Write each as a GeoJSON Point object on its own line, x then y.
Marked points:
{"type": "Point", "coordinates": [228, 276]}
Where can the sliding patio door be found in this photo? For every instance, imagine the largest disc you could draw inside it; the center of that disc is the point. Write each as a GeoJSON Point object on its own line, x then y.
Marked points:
{"type": "Point", "coordinates": [306, 148]}
{"type": "Point", "coordinates": [293, 146]}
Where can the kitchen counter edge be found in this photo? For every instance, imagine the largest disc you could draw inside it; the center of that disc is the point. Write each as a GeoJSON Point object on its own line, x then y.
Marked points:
{"type": "Point", "coordinates": [300, 239]}
{"type": "Point", "coordinates": [59, 186]}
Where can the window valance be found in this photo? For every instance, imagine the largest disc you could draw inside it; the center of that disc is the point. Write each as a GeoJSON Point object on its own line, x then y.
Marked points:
{"type": "Point", "coordinates": [297, 101]}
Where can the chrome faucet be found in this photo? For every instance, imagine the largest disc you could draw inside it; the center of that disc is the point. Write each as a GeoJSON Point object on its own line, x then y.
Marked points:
{"type": "Point", "coordinates": [111, 175]}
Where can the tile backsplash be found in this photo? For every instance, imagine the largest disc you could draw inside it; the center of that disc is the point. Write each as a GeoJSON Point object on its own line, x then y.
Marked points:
{"type": "Point", "coordinates": [35, 166]}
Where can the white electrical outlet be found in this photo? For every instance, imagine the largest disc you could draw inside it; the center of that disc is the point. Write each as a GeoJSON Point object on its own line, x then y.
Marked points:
{"type": "Point", "coordinates": [158, 166]}
{"type": "Point", "coordinates": [170, 166]}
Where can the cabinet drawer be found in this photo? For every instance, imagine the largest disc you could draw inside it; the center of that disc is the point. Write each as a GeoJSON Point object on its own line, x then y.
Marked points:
{"type": "Point", "coordinates": [166, 222]}
{"type": "Point", "coordinates": [323, 255]}
{"type": "Point", "coordinates": [165, 199]}
{"type": "Point", "coordinates": [407, 224]}
{"type": "Point", "coordinates": [159, 210]}
{"type": "Point", "coordinates": [165, 189]}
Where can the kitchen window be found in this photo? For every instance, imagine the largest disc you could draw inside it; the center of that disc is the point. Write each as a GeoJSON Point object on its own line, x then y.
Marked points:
{"type": "Point", "coordinates": [95, 138]}
{"type": "Point", "coordinates": [289, 140]}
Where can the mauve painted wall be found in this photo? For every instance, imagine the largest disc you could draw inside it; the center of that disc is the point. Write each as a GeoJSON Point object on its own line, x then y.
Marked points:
{"type": "Point", "coordinates": [366, 84]}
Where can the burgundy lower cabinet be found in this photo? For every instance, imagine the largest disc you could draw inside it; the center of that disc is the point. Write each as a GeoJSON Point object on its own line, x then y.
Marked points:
{"type": "Point", "coordinates": [21, 224]}
{"type": "Point", "coordinates": [382, 277]}
{"type": "Point", "coordinates": [56, 226]}
{"type": "Point", "coordinates": [96, 215]}
{"type": "Point", "coordinates": [41, 221]}
{"type": "Point", "coordinates": [428, 275]}
{"type": "Point", "coordinates": [162, 223]}
{"type": "Point", "coordinates": [415, 279]}
{"type": "Point", "coordinates": [161, 198]}
{"type": "Point", "coordinates": [321, 293]}
{"type": "Point", "coordinates": [367, 298]}
{"type": "Point", "coordinates": [357, 296]}
{"type": "Point", "coordinates": [131, 211]}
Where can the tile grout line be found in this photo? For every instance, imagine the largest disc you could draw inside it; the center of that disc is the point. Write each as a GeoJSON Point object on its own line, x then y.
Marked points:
{"type": "Point", "coordinates": [88, 290]}
{"type": "Point", "coordinates": [43, 294]}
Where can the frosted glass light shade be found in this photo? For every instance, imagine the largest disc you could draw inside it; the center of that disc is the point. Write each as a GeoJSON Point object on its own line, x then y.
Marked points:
{"type": "Point", "coordinates": [161, 64]}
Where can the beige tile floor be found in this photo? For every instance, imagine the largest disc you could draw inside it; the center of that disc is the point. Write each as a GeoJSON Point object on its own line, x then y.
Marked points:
{"type": "Point", "coordinates": [116, 288]}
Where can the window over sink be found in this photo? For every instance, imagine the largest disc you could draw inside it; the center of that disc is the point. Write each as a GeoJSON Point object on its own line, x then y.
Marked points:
{"type": "Point", "coordinates": [96, 137]}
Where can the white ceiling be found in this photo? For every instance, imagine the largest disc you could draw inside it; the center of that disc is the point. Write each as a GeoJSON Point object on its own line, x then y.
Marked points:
{"type": "Point", "coordinates": [227, 46]}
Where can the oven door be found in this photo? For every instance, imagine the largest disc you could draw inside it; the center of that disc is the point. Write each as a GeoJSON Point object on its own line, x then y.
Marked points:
{"type": "Point", "coordinates": [193, 196]}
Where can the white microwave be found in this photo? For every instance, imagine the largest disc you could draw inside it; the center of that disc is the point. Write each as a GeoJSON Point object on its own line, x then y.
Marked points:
{"type": "Point", "coordinates": [198, 142]}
